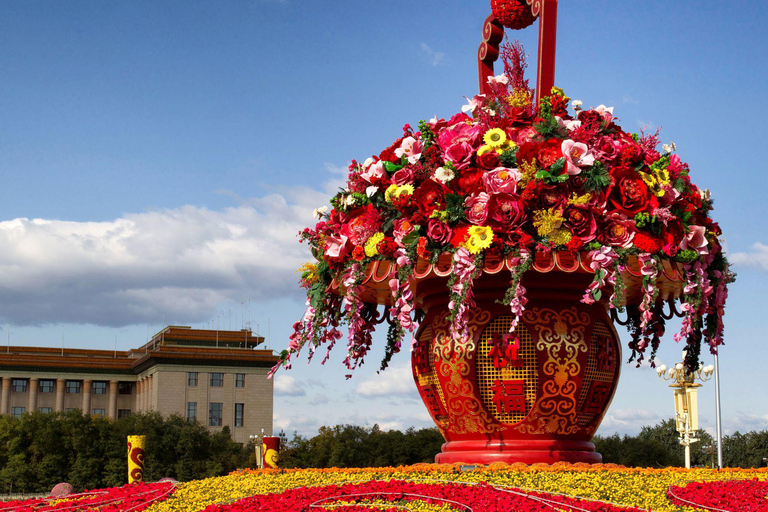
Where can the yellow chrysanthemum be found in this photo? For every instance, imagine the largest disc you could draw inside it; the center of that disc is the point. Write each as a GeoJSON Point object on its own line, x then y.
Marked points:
{"type": "Point", "coordinates": [495, 137]}
{"type": "Point", "coordinates": [662, 176]}
{"type": "Point", "coordinates": [371, 245]}
{"type": "Point", "coordinates": [547, 221]}
{"type": "Point", "coordinates": [397, 191]}
{"type": "Point", "coordinates": [480, 237]}
{"type": "Point", "coordinates": [648, 179]}
{"type": "Point", "coordinates": [556, 91]}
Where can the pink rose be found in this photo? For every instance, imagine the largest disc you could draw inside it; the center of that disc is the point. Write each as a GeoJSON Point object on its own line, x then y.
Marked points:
{"type": "Point", "coordinates": [456, 134]}
{"type": "Point", "coordinates": [619, 231]}
{"type": "Point", "coordinates": [695, 240]}
{"type": "Point", "coordinates": [401, 228]}
{"type": "Point", "coordinates": [439, 231]}
{"type": "Point", "coordinates": [460, 155]}
{"type": "Point", "coordinates": [582, 222]}
{"type": "Point", "coordinates": [606, 149]}
{"type": "Point", "coordinates": [336, 247]}
{"type": "Point", "coordinates": [403, 176]}
{"type": "Point", "coordinates": [501, 180]}
{"type": "Point", "coordinates": [477, 208]}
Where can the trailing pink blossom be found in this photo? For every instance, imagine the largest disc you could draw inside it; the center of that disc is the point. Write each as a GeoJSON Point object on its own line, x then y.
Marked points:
{"type": "Point", "coordinates": [687, 307]}
{"type": "Point", "coordinates": [601, 262]}
{"type": "Point", "coordinates": [461, 293]}
{"type": "Point", "coordinates": [650, 269]}
{"type": "Point", "coordinates": [359, 334]}
{"type": "Point", "coordinates": [519, 300]}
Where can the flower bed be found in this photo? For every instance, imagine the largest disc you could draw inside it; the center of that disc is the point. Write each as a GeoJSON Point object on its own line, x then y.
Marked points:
{"type": "Point", "coordinates": [134, 498]}
{"type": "Point", "coordinates": [623, 488]}
{"type": "Point", "coordinates": [742, 495]}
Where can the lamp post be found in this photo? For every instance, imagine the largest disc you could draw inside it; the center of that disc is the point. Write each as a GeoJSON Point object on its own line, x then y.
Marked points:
{"type": "Point", "coordinates": [257, 446]}
{"type": "Point", "coordinates": [686, 400]}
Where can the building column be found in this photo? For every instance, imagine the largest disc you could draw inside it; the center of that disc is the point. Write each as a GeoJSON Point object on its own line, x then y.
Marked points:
{"type": "Point", "coordinates": [150, 380]}
{"type": "Point", "coordinates": [33, 385]}
{"type": "Point", "coordinates": [5, 396]}
{"type": "Point", "coordinates": [60, 383]}
{"type": "Point", "coordinates": [87, 386]}
{"type": "Point", "coordinates": [112, 412]}
{"type": "Point", "coordinates": [140, 395]}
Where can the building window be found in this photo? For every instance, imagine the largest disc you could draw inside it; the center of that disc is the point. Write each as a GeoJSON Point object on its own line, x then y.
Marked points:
{"type": "Point", "coordinates": [98, 412]}
{"type": "Point", "coordinates": [99, 387]}
{"type": "Point", "coordinates": [239, 409]}
{"type": "Point", "coordinates": [125, 388]}
{"type": "Point", "coordinates": [123, 413]}
{"type": "Point", "coordinates": [45, 410]}
{"type": "Point", "coordinates": [16, 412]}
{"type": "Point", "coordinates": [192, 411]}
{"type": "Point", "coordinates": [192, 379]}
{"type": "Point", "coordinates": [46, 386]}
{"type": "Point", "coordinates": [19, 385]}
{"type": "Point", "coordinates": [215, 411]}
{"type": "Point", "coordinates": [73, 386]}
{"type": "Point", "coordinates": [239, 380]}
{"type": "Point", "coordinates": [217, 380]}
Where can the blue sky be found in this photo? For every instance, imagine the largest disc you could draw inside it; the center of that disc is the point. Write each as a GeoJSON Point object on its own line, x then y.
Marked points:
{"type": "Point", "coordinates": [158, 158]}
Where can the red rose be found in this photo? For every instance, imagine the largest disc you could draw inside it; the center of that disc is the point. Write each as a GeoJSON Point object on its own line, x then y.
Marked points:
{"type": "Point", "coordinates": [527, 152]}
{"type": "Point", "coordinates": [549, 152]}
{"type": "Point", "coordinates": [488, 161]}
{"type": "Point", "coordinates": [505, 212]}
{"type": "Point", "coordinates": [582, 223]}
{"type": "Point", "coordinates": [439, 231]}
{"type": "Point", "coordinates": [430, 196]}
{"type": "Point", "coordinates": [549, 196]}
{"type": "Point", "coordinates": [629, 194]}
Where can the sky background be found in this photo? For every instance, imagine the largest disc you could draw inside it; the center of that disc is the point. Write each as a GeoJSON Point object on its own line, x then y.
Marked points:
{"type": "Point", "coordinates": [158, 158]}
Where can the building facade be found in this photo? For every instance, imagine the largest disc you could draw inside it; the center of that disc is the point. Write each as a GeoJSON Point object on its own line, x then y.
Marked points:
{"type": "Point", "coordinates": [218, 378]}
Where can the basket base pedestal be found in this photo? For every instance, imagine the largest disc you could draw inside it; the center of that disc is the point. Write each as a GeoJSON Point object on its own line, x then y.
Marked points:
{"type": "Point", "coordinates": [527, 452]}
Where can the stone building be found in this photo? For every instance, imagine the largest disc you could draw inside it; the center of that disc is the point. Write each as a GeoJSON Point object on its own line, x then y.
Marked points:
{"type": "Point", "coordinates": [218, 378]}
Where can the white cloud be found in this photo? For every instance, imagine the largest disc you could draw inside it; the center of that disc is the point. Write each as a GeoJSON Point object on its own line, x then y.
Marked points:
{"type": "Point", "coordinates": [285, 385]}
{"type": "Point", "coordinates": [396, 380]}
{"type": "Point", "coordinates": [181, 263]}
{"type": "Point", "coordinates": [756, 258]}
{"type": "Point", "coordinates": [627, 421]}
{"type": "Point", "coordinates": [319, 400]}
{"type": "Point", "coordinates": [435, 58]}
{"type": "Point", "coordinates": [744, 422]}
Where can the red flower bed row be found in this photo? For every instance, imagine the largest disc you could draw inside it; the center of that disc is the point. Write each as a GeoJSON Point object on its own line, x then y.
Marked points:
{"type": "Point", "coordinates": [459, 496]}
{"type": "Point", "coordinates": [741, 495]}
{"type": "Point", "coordinates": [133, 498]}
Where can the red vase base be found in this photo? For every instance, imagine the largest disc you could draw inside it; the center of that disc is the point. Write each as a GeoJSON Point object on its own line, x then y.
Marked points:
{"type": "Point", "coordinates": [527, 452]}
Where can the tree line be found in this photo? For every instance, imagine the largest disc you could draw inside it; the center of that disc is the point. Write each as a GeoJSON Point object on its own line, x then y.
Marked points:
{"type": "Point", "coordinates": [39, 450]}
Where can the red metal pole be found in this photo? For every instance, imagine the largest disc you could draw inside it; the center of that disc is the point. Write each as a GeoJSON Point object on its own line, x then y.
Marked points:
{"type": "Point", "coordinates": [545, 74]}
{"type": "Point", "coordinates": [493, 34]}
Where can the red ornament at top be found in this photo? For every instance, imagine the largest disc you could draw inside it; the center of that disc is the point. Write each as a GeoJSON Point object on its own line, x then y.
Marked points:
{"type": "Point", "coordinates": [513, 14]}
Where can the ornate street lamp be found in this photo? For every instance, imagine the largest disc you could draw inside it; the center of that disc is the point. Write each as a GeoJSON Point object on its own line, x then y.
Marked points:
{"type": "Point", "coordinates": [686, 400]}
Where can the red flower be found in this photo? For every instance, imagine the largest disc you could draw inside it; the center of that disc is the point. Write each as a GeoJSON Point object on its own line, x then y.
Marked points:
{"type": "Point", "coordinates": [647, 243]}
{"type": "Point", "coordinates": [421, 248]}
{"type": "Point", "coordinates": [388, 155]}
{"type": "Point", "coordinates": [488, 161]}
{"type": "Point", "coordinates": [505, 212]}
{"type": "Point", "coordinates": [387, 247]}
{"type": "Point", "coordinates": [361, 224]}
{"type": "Point", "coordinates": [514, 14]}
{"type": "Point", "coordinates": [460, 235]}
{"type": "Point", "coordinates": [582, 223]}
{"type": "Point", "coordinates": [430, 196]}
{"type": "Point", "coordinates": [549, 152]}
{"type": "Point", "coordinates": [469, 182]}
{"type": "Point", "coordinates": [629, 194]}
{"type": "Point", "coordinates": [358, 252]}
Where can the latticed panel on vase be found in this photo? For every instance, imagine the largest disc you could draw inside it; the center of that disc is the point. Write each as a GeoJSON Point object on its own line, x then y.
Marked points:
{"type": "Point", "coordinates": [601, 373]}
{"type": "Point", "coordinates": [508, 387]}
{"type": "Point", "coordinates": [426, 377]}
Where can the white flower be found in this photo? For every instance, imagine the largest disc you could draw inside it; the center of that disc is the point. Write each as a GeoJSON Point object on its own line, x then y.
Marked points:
{"type": "Point", "coordinates": [370, 191]}
{"type": "Point", "coordinates": [499, 79]}
{"type": "Point", "coordinates": [444, 175]}
{"type": "Point", "coordinates": [669, 147]}
{"type": "Point", "coordinates": [349, 201]}
{"type": "Point", "coordinates": [577, 104]}
{"type": "Point", "coordinates": [367, 163]}
{"type": "Point", "coordinates": [319, 212]}
{"type": "Point", "coordinates": [472, 104]}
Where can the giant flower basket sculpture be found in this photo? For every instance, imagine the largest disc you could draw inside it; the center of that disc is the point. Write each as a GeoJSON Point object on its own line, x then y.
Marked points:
{"type": "Point", "coordinates": [506, 238]}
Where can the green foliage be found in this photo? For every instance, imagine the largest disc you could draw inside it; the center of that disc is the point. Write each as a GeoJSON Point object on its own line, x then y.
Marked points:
{"type": "Point", "coordinates": [40, 450]}
{"type": "Point", "coordinates": [347, 446]}
{"type": "Point", "coordinates": [509, 158]}
{"type": "Point", "coordinates": [596, 178]}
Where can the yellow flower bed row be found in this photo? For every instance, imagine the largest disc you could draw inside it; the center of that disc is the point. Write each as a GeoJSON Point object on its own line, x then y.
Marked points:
{"type": "Point", "coordinates": [642, 488]}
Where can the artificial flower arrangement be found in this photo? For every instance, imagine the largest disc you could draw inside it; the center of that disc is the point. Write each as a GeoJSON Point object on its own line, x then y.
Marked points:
{"type": "Point", "coordinates": [508, 179]}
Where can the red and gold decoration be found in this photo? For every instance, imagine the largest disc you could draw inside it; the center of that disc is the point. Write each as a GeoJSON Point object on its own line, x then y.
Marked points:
{"type": "Point", "coordinates": [136, 445]}
{"type": "Point", "coordinates": [270, 450]}
{"type": "Point", "coordinates": [507, 238]}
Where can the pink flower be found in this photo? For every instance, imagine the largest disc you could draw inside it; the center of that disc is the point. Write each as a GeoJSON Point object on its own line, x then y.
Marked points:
{"type": "Point", "coordinates": [501, 180]}
{"type": "Point", "coordinates": [411, 149]}
{"type": "Point", "coordinates": [439, 231]}
{"type": "Point", "coordinates": [607, 149]}
{"type": "Point", "coordinates": [619, 231]}
{"type": "Point", "coordinates": [577, 155]}
{"type": "Point", "coordinates": [404, 176]}
{"type": "Point", "coordinates": [336, 246]}
{"type": "Point", "coordinates": [458, 133]}
{"type": "Point", "coordinates": [605, 112]}
{"type": "Point", "coordinates": [401, 228]}
{"type": "Point", "coordinates": [375, 170]}
{"type": "Point", "coordinates": [695, 240]}
{"type": "Point", "coordinates": [460, 155]}
{"type": "Point", "coordinates": [477, 208]}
